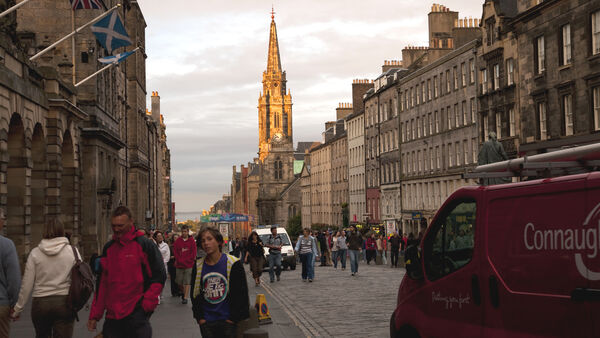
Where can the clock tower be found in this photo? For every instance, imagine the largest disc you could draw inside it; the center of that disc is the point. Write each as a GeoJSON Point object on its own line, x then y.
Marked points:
{"type": "Point", "coordinates": [274, 104]}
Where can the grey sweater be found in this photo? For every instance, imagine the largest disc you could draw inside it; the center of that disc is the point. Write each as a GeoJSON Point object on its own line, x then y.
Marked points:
{"type": "Point", "coordinates": [10, 273]}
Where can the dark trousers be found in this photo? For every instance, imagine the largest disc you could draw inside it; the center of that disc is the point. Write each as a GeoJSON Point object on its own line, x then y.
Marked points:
{"type": "Point", "coordinates": [371, 255]}
{"type": "Point", "coordinates": [218, 329]}
{"type": "Point", "coordinates": [394, 254]}
{"type": "Point", "coordinates": [51, 317]}
{"type": "Point", "coordinates": [172, 274]}
{"type": "Point", "coordinates": [135, 325]}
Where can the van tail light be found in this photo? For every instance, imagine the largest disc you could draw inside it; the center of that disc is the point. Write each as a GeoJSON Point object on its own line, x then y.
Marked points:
{"type": "Point", "coordinates": [476, 290]}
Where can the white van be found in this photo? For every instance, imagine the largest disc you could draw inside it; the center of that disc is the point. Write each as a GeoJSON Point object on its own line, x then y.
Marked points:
{"type": "Point", "coordinates": [288, 256]}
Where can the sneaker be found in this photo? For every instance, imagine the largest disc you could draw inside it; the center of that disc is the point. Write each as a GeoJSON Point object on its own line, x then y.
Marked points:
{"type": "Point", "coordinates": [278, 278]}
{"type": "Point", "coordinates": [353, 274]}
{"type": "Point", "coordinates": [272, 281]}
{"type": "Point", "coordinates": [304, 280]}
{"type": "Point", "coordinates": [310, 280]}
{"type": "Point", "coordinates": [184, 301]}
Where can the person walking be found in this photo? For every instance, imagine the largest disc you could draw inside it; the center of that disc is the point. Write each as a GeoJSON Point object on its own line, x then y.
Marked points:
{"type": "Point", "coordinates": [395, 248]}
{"type": "Point", "coordinates": [306, 246]}
{"type": "Point", "coordinates": [133, 275]}
{"type": "Point", "coordinates": [274, 243]}
{"type": "Point", "coordinates": [171, 267]}
{"type": "Point", "coordinates": [185, 256]}
{"type": "Point", "coordinates": [48, 275]}
{"type": "Point", "coordinates": [355, 243]}
{"type": "Point", "coordinates": [334, 249]}
{"type": "Point", "coordinates": [342, 248]}
{"type": "Point", "coordinates": [163, 247]}
{"type": "Point", "coordinates": [371, 247]}
{"type": "Point", "coordinates": [10, 279]}
{"type": "Point", "coordinates": [323, 247]}
{"type": "Point", "coordinates": [254, 256]}
{"type": "Point", "coordinates": [220, 293]}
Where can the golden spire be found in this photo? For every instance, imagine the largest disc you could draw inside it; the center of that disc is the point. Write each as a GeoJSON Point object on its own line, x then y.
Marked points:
{"type": "Point", "coordinates": [274, 61]}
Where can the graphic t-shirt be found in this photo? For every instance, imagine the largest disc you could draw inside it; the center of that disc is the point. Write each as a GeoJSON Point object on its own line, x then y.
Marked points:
{"type": "Point", "coordinates": [215, 287]}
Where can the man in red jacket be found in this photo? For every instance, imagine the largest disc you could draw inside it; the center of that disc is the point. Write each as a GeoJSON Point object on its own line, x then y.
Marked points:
{"type": "Point", "coordinates": [185, 257]}
{"type": "Point", "coordinates": [132, 278]}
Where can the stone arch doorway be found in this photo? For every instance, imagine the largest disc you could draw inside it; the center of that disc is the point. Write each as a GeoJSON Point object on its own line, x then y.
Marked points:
{"type": "Point", "coordinates": [38, 184]}
{"type": "Point", "coordinates": [67, 188]}
{"type": "Point", "coordinates": [16, 181]}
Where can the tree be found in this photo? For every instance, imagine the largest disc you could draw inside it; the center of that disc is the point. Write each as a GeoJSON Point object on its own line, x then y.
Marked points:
{"type": "Point", "coordinates": [294, 226]}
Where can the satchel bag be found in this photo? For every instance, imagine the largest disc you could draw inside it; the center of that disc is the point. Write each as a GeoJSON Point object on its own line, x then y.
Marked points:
{"type": "Point", "coordinates": [82, 285]}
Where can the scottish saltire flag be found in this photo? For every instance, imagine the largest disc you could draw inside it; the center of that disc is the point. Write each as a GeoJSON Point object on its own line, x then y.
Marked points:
{"type": "Point", "coordinates": [116, 58]}
{"type": "Point", "coordinates": [111, 33]}
{"type": "Point", "coordinates": [86, 4]}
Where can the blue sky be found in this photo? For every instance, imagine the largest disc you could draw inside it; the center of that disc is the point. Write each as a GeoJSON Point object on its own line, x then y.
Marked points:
{"type": "Point", "coordinates": [206, 58]}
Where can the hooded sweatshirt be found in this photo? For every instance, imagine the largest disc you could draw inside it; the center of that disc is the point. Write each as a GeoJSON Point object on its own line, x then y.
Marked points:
{"type": "Point", "coordinates": [48, 271]}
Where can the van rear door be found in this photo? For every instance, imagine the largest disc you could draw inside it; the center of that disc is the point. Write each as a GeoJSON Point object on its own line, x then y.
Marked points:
{"type": "Point", "coordinates": [451, 297]}
{"type": "Point", "coordinates": [530, 273]}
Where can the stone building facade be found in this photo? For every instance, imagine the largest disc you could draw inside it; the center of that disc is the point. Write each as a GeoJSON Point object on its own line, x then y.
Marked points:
{"type": "Point", "coordinates": [320, 185]}
{"type": "Point", "coordinates": [89, 177]}
{"type": "Point", "coordinates": [498, 73]}
{"type": "Point", "coordinates": [438, 127]}
{"type": "Point", "coordinates": [558, 45]}
{"type": "Point", "coordinates": [355, 127]}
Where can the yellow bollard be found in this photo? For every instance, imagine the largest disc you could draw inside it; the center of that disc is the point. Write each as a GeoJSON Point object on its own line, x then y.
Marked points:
{"type": "Point", "coordinates": [264, 317]}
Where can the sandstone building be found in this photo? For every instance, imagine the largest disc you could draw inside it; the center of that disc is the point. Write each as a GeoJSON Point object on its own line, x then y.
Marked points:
{"type": "Point", "coordinates": [72, 151]}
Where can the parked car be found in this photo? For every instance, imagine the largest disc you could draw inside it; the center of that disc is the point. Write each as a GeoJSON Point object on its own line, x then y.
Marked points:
{"type": "Point", "coordinates": [518, 259]}
{"type": "Point", "coordinates": [288, 255]}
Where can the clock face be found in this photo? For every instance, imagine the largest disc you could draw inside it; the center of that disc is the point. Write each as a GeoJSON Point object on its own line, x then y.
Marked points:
{"type": "Point", "coordinates": [275, 84]}
{"type": "Point", "coordinates": [277, 137]}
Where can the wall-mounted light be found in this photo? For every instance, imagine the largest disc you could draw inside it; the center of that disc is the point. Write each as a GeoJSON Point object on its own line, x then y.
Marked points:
{"type": "Point", "coordinates": [91, 47]}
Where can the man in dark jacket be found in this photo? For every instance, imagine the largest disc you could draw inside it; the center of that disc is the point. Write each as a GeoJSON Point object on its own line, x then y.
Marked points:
{"type": "Point", "coordinates": [10, 279]}
{"type": "Point", "coordinates": [395, 248]}
{"type": "Point", "coordinates": [354, 241]}
{"type": "Point", "coordinates": [132, 278]}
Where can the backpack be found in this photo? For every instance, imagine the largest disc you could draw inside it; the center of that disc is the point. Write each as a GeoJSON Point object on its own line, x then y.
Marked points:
{"type": "Point", "coordinates": [82, 285]}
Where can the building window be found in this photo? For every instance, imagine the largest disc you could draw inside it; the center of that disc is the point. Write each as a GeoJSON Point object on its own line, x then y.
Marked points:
{"type": "Point", "coordinates": [435, 87]}
{"type": "Point", "coordinates": [437, 121]}
{"type": "Point", "coordinates": [456, 116]}
{"type": "Point", "coordinates": [278, 170]}
{"type": "Point", "coordinates": [438, 157]}
{"type": "Point", "coordinates": [484, 81]}
{"type": "Point", "coordinates": [441, 84]}
{"type": "Point", "coordinates": [499, 125]}
{"type": "Point", "coordinates": [596, 101]}
{"type": "Point", "coordinates": [511, 114]}
{"type": "Point", "coordinates": [449, 118]}
{"type": "Point", "coordinates": [596, 32]}
{"type": "Point", "coordinates": [464, 113]}
{"type": "Point", "coordinates": [418, 128]}
{"type": "Point", "coordinates": [423, 97]}
{"type": "Point", "coordinates": [430, 119]}
{"type": "Point", "coordinates": [510, 71]}
{"type": "Point", "coordinates": [417, 94]}
{"type": "Point", "coordinates": [540, 55]}
{"type": "Point", "coordinates": [455, 75]}
{"type": "Point", "coordinates": [475, 150]}
{"type": "Point", "coordinates": [457, 152]}
{"type": "Point", "coordinates": [565, 55]}
{"type": "Point", "coordinates": [428, 89]}
{"type": "Point", "coordinates": [473, 111]}
{"type": "Point", "coordinates": [450, 155]}
{"type": "Point", "coordinates": [466, 151]}
{"type": "Point", "coordinates": [463, 75]}
{"type": "Point", "coordinates": [412, 98]}
{"type": "Point", "coordinates": [542, 127]}
{"type": "Point", "coordinates": [471, 71]}
{"type": "Point", "coordinates": [496, 76]}
{"type": "Point", "coordinates": [448, 81]}
{"type": "Point", "coordinates": [485, 127]}
{"type": "Point", "coordinates": [568, 113]}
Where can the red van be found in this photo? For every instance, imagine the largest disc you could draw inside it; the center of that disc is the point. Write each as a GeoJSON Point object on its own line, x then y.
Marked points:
{"type": "Point", "coordinates": [512, 260]}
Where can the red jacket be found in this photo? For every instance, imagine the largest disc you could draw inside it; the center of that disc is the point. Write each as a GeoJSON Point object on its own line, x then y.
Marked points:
{"type": "Point", "coordinates": [371, 244]}
{"type": "Point", "coordinates": [185, 253]}
{"type": "Point", "coordinates": [132, 270]}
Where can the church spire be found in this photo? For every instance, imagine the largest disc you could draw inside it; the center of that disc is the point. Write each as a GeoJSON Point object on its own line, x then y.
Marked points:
{"type": "Point", "coordinates": [274, 61]}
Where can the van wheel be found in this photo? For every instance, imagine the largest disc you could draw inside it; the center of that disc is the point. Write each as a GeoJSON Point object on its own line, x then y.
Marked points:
{"type": "Point", "coordinates": [408, 332]}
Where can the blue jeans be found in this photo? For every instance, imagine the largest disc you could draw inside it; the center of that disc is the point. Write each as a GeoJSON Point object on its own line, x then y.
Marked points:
{"type": "Point", "coordinates": [353, 260]}
{"type": "Point", "coordinates": [274, 260]}
{"type": "Point", "coordinates": [307, 265]}
{"type": "Point", "coordinates": [342, 255]}
{"type": "Point", "coordinates": [334, 256]}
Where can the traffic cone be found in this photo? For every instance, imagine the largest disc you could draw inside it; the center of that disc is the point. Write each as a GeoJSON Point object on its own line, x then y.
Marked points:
{"type": "Point", "coordinates": [264, 317]}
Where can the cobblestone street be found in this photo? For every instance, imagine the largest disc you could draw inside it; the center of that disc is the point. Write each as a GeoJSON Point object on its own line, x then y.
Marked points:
{"type": "Point", "coordinates": [337, 304]}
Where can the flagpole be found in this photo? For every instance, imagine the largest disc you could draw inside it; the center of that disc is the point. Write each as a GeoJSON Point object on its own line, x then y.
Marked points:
{"type": "Point", "coordinates": [100, 71]}
{"type": "Point", "coordinates": [13, 8]}
{"type": "Point", "coordinates": [74, 32]}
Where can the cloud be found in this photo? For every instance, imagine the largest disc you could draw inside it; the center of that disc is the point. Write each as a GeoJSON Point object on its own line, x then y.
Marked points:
{"type": "Point", "coordinates": [206, 58]}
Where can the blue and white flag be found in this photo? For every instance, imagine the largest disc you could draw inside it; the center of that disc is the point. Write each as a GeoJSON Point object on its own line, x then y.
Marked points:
{"type": "Point", "coordinates": [111, 33]}
{"type": "Point", "coordinates": [116, 58]}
